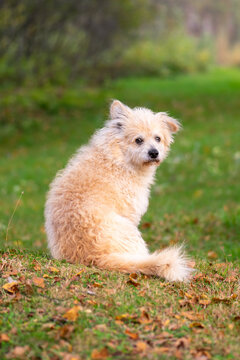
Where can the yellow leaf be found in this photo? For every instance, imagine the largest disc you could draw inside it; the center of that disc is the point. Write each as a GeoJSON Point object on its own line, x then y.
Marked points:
{"type": "Point", "coordinates": [80, 272]}
{"type": "Point", "coordinates": [196, 324]}
{"type": "Point", "coordinates": [53, 269]}
{"type": "Point", "coordinates": [205, 302]}
{"type": "Point", "coordinates": [39, 282]}
{"type": "Point", "coordinates": [166, 322]}
{"type": "Point", "coordinates": [72, 314]}
{"type": "Point", "coordinates": [189, 296]}
{"type": "Point", "coordinates": [11, 287]}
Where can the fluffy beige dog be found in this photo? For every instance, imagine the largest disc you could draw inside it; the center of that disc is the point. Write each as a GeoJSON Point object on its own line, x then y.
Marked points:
{"type": "Point", "coordinates": [95, 204]}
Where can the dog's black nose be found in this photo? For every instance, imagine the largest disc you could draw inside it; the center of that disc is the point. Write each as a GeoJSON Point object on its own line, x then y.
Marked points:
{"type": "Point", "coordinates": [153, 153]}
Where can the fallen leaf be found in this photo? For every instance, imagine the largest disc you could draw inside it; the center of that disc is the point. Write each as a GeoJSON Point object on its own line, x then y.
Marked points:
{"type": "Point", "coordinates": [80, 272]}
{"type": "Point", "coordinates": [192, 316]}
{"type": "Point", "coordinates": [212, 255]}
{"type": "Point", "coordinates": [189, 296]}
{"type": "Point", "coordinates": [48, 326]}
{"type": "Point", "coordinates": [132, 335]}
{"type": "Point", "coordinates": [146, 225]}
{"type": "Point", "coordinates": [161, 350]}
{"type": "Point", "coordinates": [202, 355]}
{"type": "Point", "coordinates": [18, 352]}
{"type": "Point", "coordinates": [144, 318]}
{"type": "Point", "coordinates": [124, 317]}
{"type": "Point", "coordinates": [53, 269]}
{"type": "Point", "coordinates": [37, 267]}
{"type": "Point", "coordinates": [225, 300]}
{"type": "Point", "coordinates": [141, 346]}
{"type": "Point", "coordinates": [196, 325]}
{"type": "Point", "coordinates": [4, 337]}
{"type": "Point", "coordinates": [11, 287]}
{"type": "Point", "coordinates": [70, 357]}
{"type": "Point", "coordinates": [65, 331]}
{"type": "Point", "coordinates": [204, 302]}
{"type": "Point", "coordinates": [182, 343]}
{"type": "Point", "coordinates": [100, 354]}
{"type": "Point", "coordinates": [73, 313]}
{"type": "Point", "coordinates": [97, 285]}
{"type": "Point", "coordinates": [101, 327]}
{"type": "Point", "coordinates": [39, 282]}
{"type": "Point", "coordinates": [133, 280]}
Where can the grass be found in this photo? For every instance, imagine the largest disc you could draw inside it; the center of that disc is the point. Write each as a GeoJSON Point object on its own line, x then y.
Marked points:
{"type": "Point", "coordinates": [195, 199]}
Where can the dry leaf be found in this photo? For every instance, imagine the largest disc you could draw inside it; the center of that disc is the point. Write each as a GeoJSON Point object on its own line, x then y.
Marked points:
{"type": "Point", "coordinates": [97, 285]}
{"type": "Point", "coordinates": [80, 272]}
{"type": "Point", "coordinates": [146, 225]}
{"type": "Point", "coordinates": [204, 302]}
{"type": "Point", "coordinates": [133, 280]}
{"type": "Point", "coordinates": [141, 346]}
{"type": "Point", "coordinates": [70, 357]}
{"type": "Point", "coordinates": [53, 269]}
{"type": "Point", "coordinates": [100, 354]}
{"type": "Point", "coordinates": [39, 282]}
{"type": "Point", "coordinates": [226, 300]}
{"type": "Point", "coordinates": [37, 267]}
{"type": "Point", "coordinates": [101, 327]}
{"type": "Point", "coordinates": [65, 331]}
{"type": "Point", "coordinates": [161, 350]}
{"type": "Point", "coordinates": [182, 342]}
{"type": "Point", "coordinates": [124, 317]}
{"type": "Point", "coordinates": [192, 316]}
{"type": "Point", "coordinates": [73, 313]}
{"type": "Point", "coordinates": [11, 287]}
{"type": "Point", "coordinates": [144, 318]}
{"type": "Point", "coordinates": [212, 255]}
{"type": "Point", "coordinates": [197, 325]}
{"type": "Point", "coordinates": [4, 337]}
{"type": "Point", "coordinates": [132, 335]}
{"type": "Point", "coordinates": [18, 352]}
{"type": "Point", "coordinates": [48, 326]}
{"type": "Point", "coordinates": [202, 355]}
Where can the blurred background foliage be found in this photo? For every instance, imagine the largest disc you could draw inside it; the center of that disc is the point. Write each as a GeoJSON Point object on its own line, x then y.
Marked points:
{"type": "Point", "coordinates": [55, 41]}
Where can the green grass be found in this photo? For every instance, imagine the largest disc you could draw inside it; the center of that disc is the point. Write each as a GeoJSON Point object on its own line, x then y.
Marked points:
{"type": "Point", "coordinates": [196, 199]}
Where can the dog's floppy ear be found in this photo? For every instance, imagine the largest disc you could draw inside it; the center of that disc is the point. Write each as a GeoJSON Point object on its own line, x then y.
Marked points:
{"type": "Point", "coordinates": [119, 112]}
{"type": "Point", "coordinates": [172, 124]}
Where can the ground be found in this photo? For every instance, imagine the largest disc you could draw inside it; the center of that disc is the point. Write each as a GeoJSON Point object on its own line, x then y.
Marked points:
{"type": "Point", "coordinates": [195, 199]}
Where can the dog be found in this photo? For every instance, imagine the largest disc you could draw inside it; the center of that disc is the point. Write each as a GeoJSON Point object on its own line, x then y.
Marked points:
{"type": "Point", "coordinates": [95, 204]}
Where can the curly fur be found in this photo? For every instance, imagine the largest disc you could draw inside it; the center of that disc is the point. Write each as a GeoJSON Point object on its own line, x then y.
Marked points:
{"type": "Point", "coordinates": [95, 204]}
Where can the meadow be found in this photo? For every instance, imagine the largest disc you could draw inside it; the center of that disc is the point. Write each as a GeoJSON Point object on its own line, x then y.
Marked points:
{"type": "Point", "coordinates": [54, 310]}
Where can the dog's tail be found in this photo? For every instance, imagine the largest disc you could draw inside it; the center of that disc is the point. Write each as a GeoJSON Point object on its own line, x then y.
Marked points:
{"type": "Point", "coordinates": [170, 263]}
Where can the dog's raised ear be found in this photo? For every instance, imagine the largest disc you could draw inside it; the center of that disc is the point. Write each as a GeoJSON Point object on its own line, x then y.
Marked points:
{"type": "Point", "coordinates": [172, 124]}
{"type": "Point", "coordinates": [119, 112]}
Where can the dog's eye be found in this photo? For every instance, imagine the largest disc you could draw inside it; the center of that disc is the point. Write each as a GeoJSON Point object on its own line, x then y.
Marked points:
{"type": "Point", "coordinates": [139, 141]}
{"type": "Point", "coordinates": [157, 138]}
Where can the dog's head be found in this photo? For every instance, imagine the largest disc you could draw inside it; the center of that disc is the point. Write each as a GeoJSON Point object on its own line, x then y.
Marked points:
{"type": "Point", "coordinates": [143, 136]}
